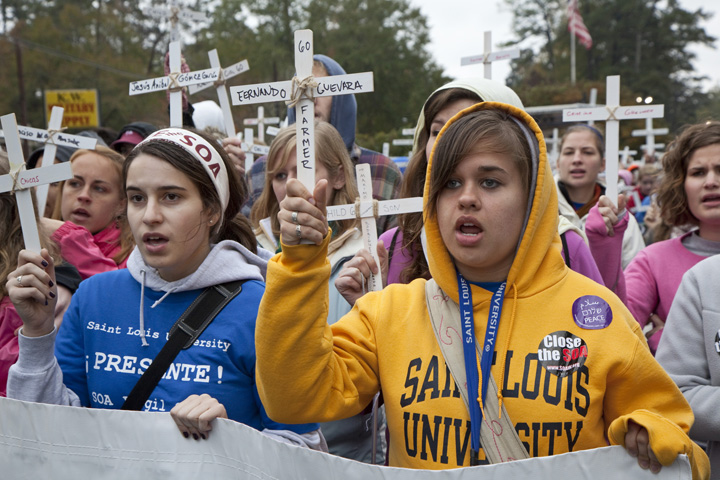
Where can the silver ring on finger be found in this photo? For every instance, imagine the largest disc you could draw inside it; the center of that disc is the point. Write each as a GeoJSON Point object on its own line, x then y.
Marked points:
{"type": "Point", "coordinates": [298, 232]}
{"type": "Point", "coordinates": [19, 281]}
{"type": "Point", "coordinates": [294, 218]}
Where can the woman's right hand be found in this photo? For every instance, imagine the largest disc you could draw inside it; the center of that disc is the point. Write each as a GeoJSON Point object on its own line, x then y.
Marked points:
{"type": "Point", "coordinates": [31, 287]}
{"type": "Point", "coordinates": [301, 215]}
{"type": "Point", "coordinates": [352, 281]}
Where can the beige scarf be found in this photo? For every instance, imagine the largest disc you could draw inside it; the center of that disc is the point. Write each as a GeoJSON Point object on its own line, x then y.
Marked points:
{"type": "Point", "coordinates": [498, 437]}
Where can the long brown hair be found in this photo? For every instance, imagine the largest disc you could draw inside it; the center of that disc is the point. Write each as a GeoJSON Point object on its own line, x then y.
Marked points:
{"type": "Point", "coordinates": [671, 196]}
{"type": "Point", "coordinates": [330, 151]}
{"type": "Point", "coordinates": [235, 225]}
{"type": "Point", "coordinates": [414, 182]}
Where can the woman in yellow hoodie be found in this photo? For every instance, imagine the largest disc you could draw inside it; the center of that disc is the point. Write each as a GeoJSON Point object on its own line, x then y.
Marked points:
{"type": "Point", "coordinates": [572, 365]}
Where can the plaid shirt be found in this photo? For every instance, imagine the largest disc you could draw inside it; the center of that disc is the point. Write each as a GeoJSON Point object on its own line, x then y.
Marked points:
{"type": "Point", "coordinates": [385, 174]}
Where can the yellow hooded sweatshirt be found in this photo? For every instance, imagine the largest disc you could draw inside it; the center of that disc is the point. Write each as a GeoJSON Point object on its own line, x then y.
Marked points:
{"type": "Point", "coordinates": [571, 360]}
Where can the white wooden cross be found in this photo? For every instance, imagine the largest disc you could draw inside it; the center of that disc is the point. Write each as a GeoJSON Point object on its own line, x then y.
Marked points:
{"type": "Point", "coordinates": [649, 133]}
{"type": "Point", "coordinates": [611, 114]}
{"type": "Point", "coordinates": [488, 56]}
{"type": "Point", "coordinates": [554, 143]}
{"type": "Point", "coordinates": [225, 73]}
{"type": "Point", "coordinates": [405, 141]}
{"type": "Point", "coordinates": [19, 181]}
{"type": "Point", "coordinates": [303, 88]}
{"type": "Point", "coordinates": [174, 82]}
{"type": "Point", "coordinates": [626, 153]}
{"type": "Point", "coordinates": [367, 209]}
{"type": "Point", "coordinates": [251, 149]}
{"type": "Point", "coordinates": [52, 137]}
{"type": "Point", "coordinates": [174, 13]}
{"type": "Point", "coordinates": [272, 131]}
{"type": "Point", "coordinates": [261, 121]}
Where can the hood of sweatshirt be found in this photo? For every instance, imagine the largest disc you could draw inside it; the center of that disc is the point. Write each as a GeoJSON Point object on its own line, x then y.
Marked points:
{"type": "Point", "coordinates": [488, 90]}
{"type": "Point", "coordinates": [228, 261]}
{"type": "Point", "coordinates": [343, 114]}
{"type": "Point", "coordinates": [533, 268]}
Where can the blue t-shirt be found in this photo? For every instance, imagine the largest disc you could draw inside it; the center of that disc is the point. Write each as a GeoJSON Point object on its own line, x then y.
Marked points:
{"type": "Point", "coordinates": [99, 349]}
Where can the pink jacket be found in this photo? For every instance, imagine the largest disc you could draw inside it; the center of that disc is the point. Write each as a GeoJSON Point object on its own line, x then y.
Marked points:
{"type": "Point", "coordinates": [649, 283]}
{"type": "Point", "coordinates": [9, 323]}
{"type": "Point", "coordinates": [90, 254]}
{"type": "Point", "coordinates": [653, 278]}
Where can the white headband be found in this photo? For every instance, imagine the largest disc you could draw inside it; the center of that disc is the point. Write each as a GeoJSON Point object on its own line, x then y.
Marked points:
{"type": "Point", "coordinates": [205, 153]}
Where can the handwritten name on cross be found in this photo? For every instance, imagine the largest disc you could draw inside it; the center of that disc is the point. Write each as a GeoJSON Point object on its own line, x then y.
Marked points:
{"type": "Point", "coordinates": [299, 93]}
{"type": "Point", "coordinates": [19, 181]}
{"type": "Point", "coordinates": [611, 114]}
{"type": "Point", "coordinates": [52, 137]}
{"type": "Point", "coordinates": [174, 14]}
{"type": "Point", "coordinates": [649, 133]}
{"type": "Point", "coordinates": [261, 121]}
{"type": "Point", "coordinates": [488, 56]}
{"type": "Point", "coordinates": [225, 74]}
{"type": "Point", "coordinates": [367, 210]}
{"type": "Point", "coordinates": [175, 83]}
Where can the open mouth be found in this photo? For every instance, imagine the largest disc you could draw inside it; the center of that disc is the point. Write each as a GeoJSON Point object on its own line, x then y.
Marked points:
{"type": "Point", "coordinates": [468, 226]}
{"type": "Point", "coordinates": [154, 239]}
{"type": "Point", "coordinates": [81, 212]}
{"type": "Point", "coordinates": [470, 230]}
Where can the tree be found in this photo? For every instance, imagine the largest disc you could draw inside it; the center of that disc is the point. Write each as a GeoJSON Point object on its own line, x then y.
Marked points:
{"type": "Point", "coordinates": [105, 44]}
{"type": "Point", "coordinates": [644, 41]}
{"type": "Point", "coordinates": [387, 37]}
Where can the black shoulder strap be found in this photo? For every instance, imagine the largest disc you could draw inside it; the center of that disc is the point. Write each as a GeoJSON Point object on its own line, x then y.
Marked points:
{"type": "Point", "coordinates": [182, 335]}
{"type": "Point", "coordinates": [566, 250]}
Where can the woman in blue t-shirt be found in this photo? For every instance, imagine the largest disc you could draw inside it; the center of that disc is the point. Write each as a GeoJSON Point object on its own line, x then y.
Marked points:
{"type": "Point", "coordinates": [183, 201]}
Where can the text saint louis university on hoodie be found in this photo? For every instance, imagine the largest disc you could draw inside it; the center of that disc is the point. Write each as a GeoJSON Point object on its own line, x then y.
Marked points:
{"type": "Point", "coordinates": [571, 362]}
{"type": "Point", "coordinates": [99, 347]}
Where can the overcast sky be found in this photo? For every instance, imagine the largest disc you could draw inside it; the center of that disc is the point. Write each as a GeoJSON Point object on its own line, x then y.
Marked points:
{"type": "Point", "coordinates": [456, 30]}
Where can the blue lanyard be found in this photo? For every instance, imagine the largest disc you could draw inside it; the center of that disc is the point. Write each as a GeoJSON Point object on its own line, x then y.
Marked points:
{"type": "Point", "coordinates": [468, 328]}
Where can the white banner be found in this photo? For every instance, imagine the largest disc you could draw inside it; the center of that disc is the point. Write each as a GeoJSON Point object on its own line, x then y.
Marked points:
{"type": "Point", "coordinates": [48, 441]}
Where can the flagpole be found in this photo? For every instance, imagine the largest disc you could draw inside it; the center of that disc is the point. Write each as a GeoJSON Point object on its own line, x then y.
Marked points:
{"type": "Point", "coordinates": [572, 53]}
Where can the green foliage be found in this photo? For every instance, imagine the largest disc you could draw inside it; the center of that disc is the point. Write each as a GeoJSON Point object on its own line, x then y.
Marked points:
{"type": "Point", "coordinates": [105, 44]}
{"type": "Point", "coordinates": [644, 41]}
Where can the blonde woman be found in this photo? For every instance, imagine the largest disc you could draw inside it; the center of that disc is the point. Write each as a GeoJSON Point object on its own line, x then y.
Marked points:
{"type": "Point", "coordinates": [350, 437]}
{"type": "Point", "coordinates": [88, 222]}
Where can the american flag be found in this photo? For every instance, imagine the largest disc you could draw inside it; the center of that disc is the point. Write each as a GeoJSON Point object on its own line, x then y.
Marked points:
{"type": "Point", "coordinates": [575, 22]}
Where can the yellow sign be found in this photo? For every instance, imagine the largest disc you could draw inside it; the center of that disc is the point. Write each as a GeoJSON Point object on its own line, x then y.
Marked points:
{"type": "Point", "coordinates": [81, 107]}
